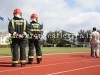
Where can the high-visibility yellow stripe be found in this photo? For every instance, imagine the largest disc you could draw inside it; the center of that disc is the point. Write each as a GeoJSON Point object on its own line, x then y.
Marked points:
{"type": "Point", "coordinates": [30, 56]}
{"type": "Point", "coordinates": [39, 56]}
{"type": "Point", "coordinates": [38, 30]}
{"type": "Point", "coordinates": [35, 24]}
{"type": "Point", "coordinates": [13, 24]}
{"type": "Point", "coordinates": [18, 21]}
{"type": "Point", "coordinates": [14, 61]}
{"type": "Point", "coordinates": [24, 25]}
{"type": "Point", "coordinates": [22, 60]}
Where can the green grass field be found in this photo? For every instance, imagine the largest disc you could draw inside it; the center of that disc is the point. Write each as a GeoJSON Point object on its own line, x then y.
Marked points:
{"type": "Point", "coordinates": [49, 50]}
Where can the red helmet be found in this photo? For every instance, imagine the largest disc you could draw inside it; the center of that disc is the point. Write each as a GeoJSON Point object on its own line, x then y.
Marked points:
{"type": "Point", "coordinates": [34, 16]}
{"type": "Point", "coordinates": [17, 11]}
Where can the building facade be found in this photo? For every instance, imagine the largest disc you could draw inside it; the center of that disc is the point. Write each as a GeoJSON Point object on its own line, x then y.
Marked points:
{"type": "Point", "coordinates": [4, 38]}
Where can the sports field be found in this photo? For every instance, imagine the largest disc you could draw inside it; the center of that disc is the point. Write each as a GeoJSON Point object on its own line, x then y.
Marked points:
{"type": "Point", "coordinates": [56, 61]}
{"type": "Point", "coordinates": [49, 50]}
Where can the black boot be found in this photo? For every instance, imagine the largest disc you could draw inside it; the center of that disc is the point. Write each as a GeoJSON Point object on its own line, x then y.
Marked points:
{"type": "Point", "coordinates": [38, 60]}
{"type": "Point", "coordinates": [14, 65]}
{"type": "Point", "coordinates": [30, 60]}
{"type": "Point", "coordinates": [23, 64]}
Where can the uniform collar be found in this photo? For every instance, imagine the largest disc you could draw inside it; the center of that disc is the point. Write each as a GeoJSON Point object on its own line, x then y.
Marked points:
{"type": "Point", "coordinates": [16, 18]}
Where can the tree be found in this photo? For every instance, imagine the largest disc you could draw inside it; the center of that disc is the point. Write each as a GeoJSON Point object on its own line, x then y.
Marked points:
{"type": "Point", "coordinates": [81, 36]}
{"type": "Point", "coordinates": [61, 38]}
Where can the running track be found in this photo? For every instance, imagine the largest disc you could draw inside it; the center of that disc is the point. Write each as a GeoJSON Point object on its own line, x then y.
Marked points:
{"type": "Point", "coordinates": [55, 64]}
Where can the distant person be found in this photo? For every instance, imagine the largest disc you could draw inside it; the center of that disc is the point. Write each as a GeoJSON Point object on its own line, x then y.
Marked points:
{"type": "Point", "coordinates": [34, 39]}
{"type": "Point", "coordinates": [94, 41]}
{"type": "Point", "coordinates": [18, 28]}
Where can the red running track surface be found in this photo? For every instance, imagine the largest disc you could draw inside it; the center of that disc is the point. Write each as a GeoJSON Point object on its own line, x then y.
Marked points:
{"type": "Point", "coordinates": [55, 64]}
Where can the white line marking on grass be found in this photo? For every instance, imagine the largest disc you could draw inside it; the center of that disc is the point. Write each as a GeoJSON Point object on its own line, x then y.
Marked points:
{"type": "Point", "coordinates": [43, 65]}
{"type": "Point", "coordinates": [74, 70]}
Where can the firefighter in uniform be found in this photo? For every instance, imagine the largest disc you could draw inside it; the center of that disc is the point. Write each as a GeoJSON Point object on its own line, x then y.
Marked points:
{"type": "Point", "coordinates": [18, 28]}
{"type": "Point", "coordinates": [34, 39]}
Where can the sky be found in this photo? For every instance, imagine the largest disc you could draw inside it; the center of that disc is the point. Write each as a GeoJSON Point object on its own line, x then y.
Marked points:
{"type": "Point", "coordinates": [68, 15]}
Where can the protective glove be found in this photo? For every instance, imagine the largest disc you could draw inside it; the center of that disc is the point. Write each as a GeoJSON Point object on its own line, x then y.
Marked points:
{"type": "Point", "coordinates": [20, 36]}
